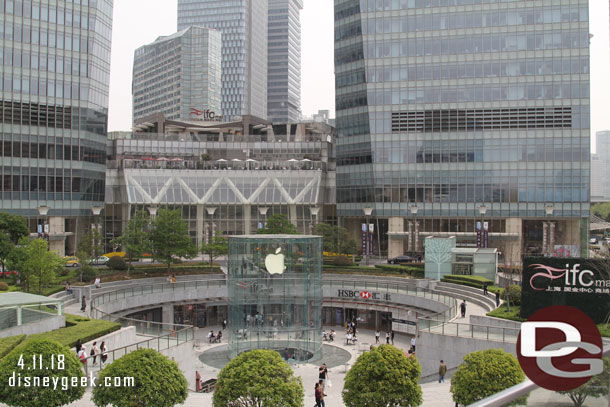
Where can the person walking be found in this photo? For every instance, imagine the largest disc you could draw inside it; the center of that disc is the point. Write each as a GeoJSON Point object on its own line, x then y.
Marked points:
{"type": "Point", "coordinates": [104, 354]}
{"type": "Point", "coordinates": [83, 304]}
{"type": "Point", "coordinates": [392, 336]}
{"type": "Point", "coordinates": [463, 308]}
{"type": "Point", "coordinates": [498, 298]}
{"type": "Point", "coordinates": [413, 344]}
{"type": "Point", "coordinates": [485, 289]}
{"type": "Point", "coordinates": [82, 355]}
{"type": "Point", "coordinates": [224, 324]}
{"type": "Point", "coordinates": [387, 337]}
{"type": "Point", "coordinates": [78, 346]}
{"type": "Point", "coordinates": [98, 282]}
{"type": "Point", "coordinates": [94, 352]}
{"type": "Point", "coordinates": [322, 376]}
{"type": "Point", "coordinates": [318, 394]}
{"type": "Point", "coordinates": [442, 371]}
{"type": "Point", "coordinates": [198, 382]}
{"type": "Point", "coordinates": [377, 334]}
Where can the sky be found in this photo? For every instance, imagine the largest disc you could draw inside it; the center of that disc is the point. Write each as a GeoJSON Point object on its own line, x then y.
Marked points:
{"type": "Point", "coordinates": [140, 22]}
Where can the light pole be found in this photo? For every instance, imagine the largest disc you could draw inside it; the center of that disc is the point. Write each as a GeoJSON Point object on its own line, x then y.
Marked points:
{"type": "Point", "coordinates": [414, 208]}
{"type": "Point", "coordinates": [43, 210]}
{"type": "Point", "coordinates": [263, 212]}
{"type": "Point", "coordinates": [482, 212]}
{"type": "Point", "coordinates": [367, 213]}
{"type": "Point", "coordinates": [314, 211]}
{"type": "Point", "coordinates": [97, 210]}
{"type": "Point", "coordinates": [153, 211]}
{"type": "Point", "coordinates": [211, 210]}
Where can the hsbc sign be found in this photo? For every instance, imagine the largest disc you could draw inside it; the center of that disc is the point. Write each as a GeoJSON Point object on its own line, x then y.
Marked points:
{"type": "Point", "coordinates": [367, 295]}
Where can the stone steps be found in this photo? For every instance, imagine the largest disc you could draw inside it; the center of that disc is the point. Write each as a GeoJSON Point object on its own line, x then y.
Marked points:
{"type": "Point", "coordinates": [467, 293]}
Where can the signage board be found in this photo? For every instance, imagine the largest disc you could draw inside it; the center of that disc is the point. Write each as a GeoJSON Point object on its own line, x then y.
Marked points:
{"type": "Point", "coordinates": [577, 282]}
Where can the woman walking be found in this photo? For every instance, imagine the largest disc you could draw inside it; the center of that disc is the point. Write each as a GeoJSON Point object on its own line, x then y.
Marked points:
{"type": "Point", "coordinates": [94, 352]}
{"type": "Point", "coordinates": [104, 354]}
{"type": "Point", "coordinates": [83, 306]}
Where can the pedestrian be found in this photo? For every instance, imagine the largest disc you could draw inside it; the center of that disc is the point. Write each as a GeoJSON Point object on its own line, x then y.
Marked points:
{"type": "Point", "coordinates": [413, 344]}
{"type": "Point", "coordinates": [498, 298]}
{"type": "Point", "coordinates": [224, 324]}
{"type": "Point", "coordinates": [322, 376]}
{"type": "Point", "coordinates": [98, 282]}
{"type": "Point", "coordinates": [442, 371]}
{"type": "Point", "coordinates": [485, 289]}
{"type": "Point", "coordinates": [68, 288]}
{"type": "Point", "coordinates": [377, 334]}
{"type": "Point", "coordinates": [83, 304]}
{"type": "Point", "coordinates": [387, 337]}
{"type": "Point", "coordinates": [78, 346]}
{"type": "Point", "coordinates": [94, 352]}
{"type": "Point", "coordinates": [463, 308]}
{"type": "Point", "coordinates": [197, 381]}
{"type": "Point", "coordinates": [82, 355]}
{"type": "Point", "coordinates": [104, 353]}
{"type": "Point", "coordinates": [392, 336]}
{"type": "Point", "coordinates": [322, 394]}
{"type": "Point", "coordinates": [318, 394]}
{"type": "Point", "coordinates": [173, 279]}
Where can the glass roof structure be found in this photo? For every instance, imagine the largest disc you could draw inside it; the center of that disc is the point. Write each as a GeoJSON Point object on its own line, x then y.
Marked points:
{"type": "Point", "coordinates": [188, 187]}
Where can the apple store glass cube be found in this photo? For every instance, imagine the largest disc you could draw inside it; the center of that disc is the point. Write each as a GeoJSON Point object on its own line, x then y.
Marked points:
{"type": "Point", "coordinates": [275, 295]}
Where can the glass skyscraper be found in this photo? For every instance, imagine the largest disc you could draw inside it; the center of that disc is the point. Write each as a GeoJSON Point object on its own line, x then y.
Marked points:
{"type": "Point", "coordinates": [243, 25]}
{"type": "Point", "coordinates": [466, 118]}
{"type": "Point", "coordinates": [284, 61]}
{"type": "Point", "coordinates": [178, 75]}
{"type": "Point", "coordinates": [55, 66]}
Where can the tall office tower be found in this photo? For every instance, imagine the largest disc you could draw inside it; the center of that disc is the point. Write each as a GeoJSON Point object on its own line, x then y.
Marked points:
{"type": "Point", "coordinates": [457, 118]}
{"type": "Point", "coordinates": [55, 68]}
{"type": "Point", "coordinates": [284, 61]}
{"type": "Point", "coordinates": [243, 25]}
{"type": "Point", "coordinates": [178, 75]}
{"type": "Point", "coordinates": [602, 147]}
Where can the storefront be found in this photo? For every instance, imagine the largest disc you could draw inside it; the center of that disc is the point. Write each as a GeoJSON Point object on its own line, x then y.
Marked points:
{"type": "Point", "coordinates": [200, 315]}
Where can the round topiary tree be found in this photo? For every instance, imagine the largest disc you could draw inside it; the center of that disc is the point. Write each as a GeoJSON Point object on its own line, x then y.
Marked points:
{"type": "Point", "coordinates": [157, 381]}
{"type": "Point", "coordinates": [484, 373]}
{"type": "Point", "coordinates": [384, 376]}
{"type": "Point", "coordinates": [116, 263]}
{"type": "Point", "coordinates": [24, 372]}
{"type": "Point", "coordinates": [258, 378]}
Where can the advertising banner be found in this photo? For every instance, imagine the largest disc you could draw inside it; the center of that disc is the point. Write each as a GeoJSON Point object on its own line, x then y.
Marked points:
{"type": "Point", "coordinates": [364, 238]}
{"type": "Point", "coordinates": [371, 238]}
{"type": "Point", "coordinates": [479, 243]}
{"type": "Point", "coordinates": [577, 282]}
{"type": "Point", "coordinates": [485, 234]}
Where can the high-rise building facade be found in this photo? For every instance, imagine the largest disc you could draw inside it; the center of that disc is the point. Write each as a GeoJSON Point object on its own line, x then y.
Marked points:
{"type": "Point", "coordinates": [458, 118]}
{"type": "Point", "coordinates": [55, 68]}
{"type": "Point", "coordinates": [179, 75]}
{"type": "Point", "coordinates": [602, 148]}
{"type": "Point", "coordinates": [284, 61]}
{"type": "Point", "coordinates": [243, 25]}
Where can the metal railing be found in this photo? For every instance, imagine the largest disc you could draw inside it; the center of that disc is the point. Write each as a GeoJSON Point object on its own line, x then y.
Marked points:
{"type": "Point", "coordinates": [465, 330]}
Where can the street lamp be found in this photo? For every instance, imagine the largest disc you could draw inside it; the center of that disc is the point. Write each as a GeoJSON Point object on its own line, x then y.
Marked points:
{"type": "Point", "coordinates": [414, 208]}
{"type": "Point", "coordinates": [97, 210]}
{"type": "Point", "coordinates": [153, 211]}
{"type": "Point", "coordinates": [43, 210]}
{"type": "Point", "coordinates": [367, 213]}
{"type": "Point", "coordinates": [314, 211]}
{"type": "Point", "coordinates": [263, 212]}
{"type": "Point", "coordinates": [211, 210]}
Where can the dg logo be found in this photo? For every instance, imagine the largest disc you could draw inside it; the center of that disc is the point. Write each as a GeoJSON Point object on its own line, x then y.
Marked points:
{"type": "Point", "coordinates": [560, 348]}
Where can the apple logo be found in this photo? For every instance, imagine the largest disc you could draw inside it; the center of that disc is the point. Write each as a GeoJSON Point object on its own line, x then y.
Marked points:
{"type": "Point", "coordinates": [275, 262]}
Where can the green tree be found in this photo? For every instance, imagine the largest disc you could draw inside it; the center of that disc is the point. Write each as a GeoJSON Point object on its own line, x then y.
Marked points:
{"type": "Point", "coordinates": [484, 373]}
{"type": "Point", "coordinates": [158, 381]}
{"type": "Point", "coordinates": [383, 376]}
{"type": "Point", "coordinates": [40, 264]}
{"type": "Point", "coordinates": [58, 363]}
{"type": "Point", "coordinates": [89, 247]}
{"type": "Point", "coordinates": [596, 387]}
{"type": "Point", "coordinates": [217, 246]}
{"type": "Point", "coordinates": [278, 224]}
{"type": "Point", "coordinates": [169, 237]}
{"type": "Point", "coordinates": [258, 378]}
{"type": "Point", "coordinates": [12, 229]}
{"type": "Point", "coordinates": [135, 239]}
{"type": "Point", "coordinates": [335, 239]}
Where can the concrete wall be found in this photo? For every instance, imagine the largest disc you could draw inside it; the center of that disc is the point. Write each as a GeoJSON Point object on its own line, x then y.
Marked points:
{"type": "Point", "coordinates": [44, 325]}
{"type": "Point", "coordinates": [395, 246]}
{"type": "Point", "coordinates": [118, 339]}
{"type": "Point", "coordinates": [491, 321]}
{"type": "Point", "coordinates": [185, 357]}
{"type": "Point", "coordinates": [431, 348]}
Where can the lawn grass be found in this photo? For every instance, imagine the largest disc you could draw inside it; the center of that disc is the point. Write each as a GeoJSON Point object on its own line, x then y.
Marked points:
{"type": "Point", "coordinates": [77, 327]}
{"type": "Point", "coordinates": [513, 315]}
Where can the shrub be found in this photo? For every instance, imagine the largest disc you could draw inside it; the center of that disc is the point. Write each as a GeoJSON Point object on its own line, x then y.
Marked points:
{"type": "Point", "coordinates": [159, 381]}
{"type": "Point", "coordinates": [89, 273]}
{"type": "Point", "coordinates": [116, 263]}
{"type": "Point", "coordinates": [258, 378]}
{"type": "Point", "coordinates": [342, 261]}
{"type": "Point", "coordinates": [41, 396]}
{"type": "Point", "coordinates": [3, 286]}
{"type": "Point", "coordinates": [384, 376]}
{"type": "Point", "coordinates": [470, 281]}
{"type": "Point", "coordinates": [7, 344]}
{"type": "Point", "coordinates": [514, 294]}
{"type": "Point", "coordinates": [484, 373]}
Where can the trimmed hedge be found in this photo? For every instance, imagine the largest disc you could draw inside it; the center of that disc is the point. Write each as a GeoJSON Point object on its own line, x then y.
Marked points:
{"type": "Point", "coordinates": [416, 272]}
{"type": "Point", "coordinates": [471, 281]}
{"type": "Point", "coordinates": [9, 343]}
{"type": "Point", "coordinates": [513, 315]}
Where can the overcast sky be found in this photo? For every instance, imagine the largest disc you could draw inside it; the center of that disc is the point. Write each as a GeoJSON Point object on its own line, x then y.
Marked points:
{"type": "Point", "coordinates": [139, 22]}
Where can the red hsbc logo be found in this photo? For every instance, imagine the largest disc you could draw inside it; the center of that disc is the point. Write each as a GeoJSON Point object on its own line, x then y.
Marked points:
{"type": "Point", "coordinates": [365, 294]}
